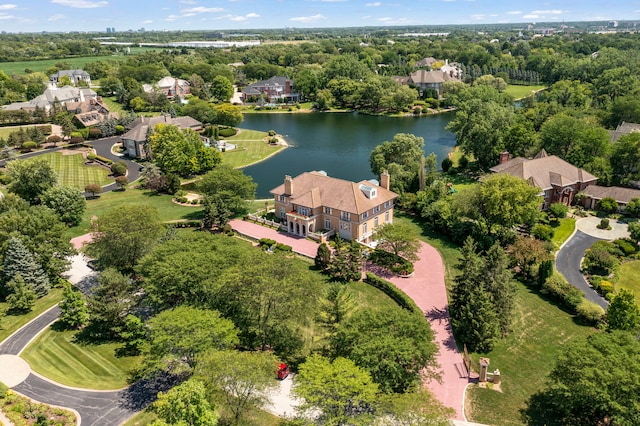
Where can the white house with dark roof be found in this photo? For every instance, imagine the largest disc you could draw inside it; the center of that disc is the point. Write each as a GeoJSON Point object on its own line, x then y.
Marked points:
{"type": "Point", "coordinates": [170, 86]}
{"type": "Point", "coordinates": [76, 76]}
{"type": "Point", "coordinates": [62, 95]}
{"type": "Point", "coordinates": [315, 203]}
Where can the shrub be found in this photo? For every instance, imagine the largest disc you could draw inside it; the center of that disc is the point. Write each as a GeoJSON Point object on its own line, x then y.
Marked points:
{"type": "Point", "coordinates": [393, 292]}
{"type": "Point", "coordinates": [122, 182]}
{"type": "Point", "coordinates": [29, 145]}
{"type": "Point", "coordinates": [446, 164]}
{"type": "Point", "coordinates": [120, 129]}
{"type": "Point", "coordinates": [103, 160]}
{"type": "Point", "coordinates": [181, 193]}
{"type": "Point", "coordinates": [558, 287]}
{"type": "Point", "coordinates": [282, 247]}
{"type": "Point", "coordinates": [266, 243]}
{"type": "Point", "coordinates": [463, 163]}
{"type": "Point", "coordinates": [93, 188]}
{"type": "Point", "coordinates": [595, 281]}
{"type": "Point", "coordinates": [227, 131]}
{"type": "Point", "coordinates": [626, 247]}
{"type": "Point", "coordinates": [76, 140]}
{"type": "Point", "coordinates": [182, 200]}
{"type": "Point", "coordinates": [604, 224]}
{"type": "Point", "coordinates": [590, 312]}
{"type": "Point", "coordinates": [54, 139]}
{"type": "Point", "coordinates": [605, 287]}
{"type": "Point", "coordinates": [94, 133]}
{"type": "Point", "coordinates": [119, 168]}
{"type": "Point", "coordinates": [91, 157]}
{"type": "Point", "coordinates": [558, 210]}
{"type": "Point", "coordinates": [542, 232]}
{"type": "Point", "coordinates": [391, 261]}
{"type": "Point", "coordinates": [272, 132]}
{"type": "Point", "coordinates": [607, 205]}
{"type": "Point", "coordinates": [633, 207]}
{"type": "Point", "coordinates": [227, 229]}
{"type": "Point", "coordinates": [598, 260]}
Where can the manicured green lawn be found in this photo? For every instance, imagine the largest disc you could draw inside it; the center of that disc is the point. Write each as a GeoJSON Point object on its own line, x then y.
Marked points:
{"type": "Point", "coordinates": [142, 418]}
{"type": "Point", "coordinates": [10, 323]}
{"type": "Point", "coordinates": [167, 209]}
{"type": "Point", "coordinates": [6, 131]}
{"type": "Point", "coordinates": [112, 104]}
{"type": "Point", "coordinates": [42, 65]}
{"type": "Point", "coordinates": [519, 92]}
{"type": "Point", "coordinates": [525, 358]}
{"type": "Point", "coordinates": [73, 172]}
{"type": "Point", "coordinates": [630, 278]}
{"type": "Point", "coordinates": [251, 148]}
{"type": "Point", "coordinates": [562, 230]}
{"type": "Point", "coordinates": [58, 356]}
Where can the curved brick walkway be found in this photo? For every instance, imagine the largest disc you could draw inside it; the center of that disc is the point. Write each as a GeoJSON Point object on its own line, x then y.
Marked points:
{"type": "Point", "coordinates": [427, 288]}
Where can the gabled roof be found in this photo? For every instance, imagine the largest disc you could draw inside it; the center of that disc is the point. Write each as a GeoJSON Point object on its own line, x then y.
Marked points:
{"type": "Point", "coordinates": [316, 189]}
{"type": "Point", "coordinates": [171, 82]}
{"type": "Point", "coordinates": [140, 126]}
{"type": "Point", "coordinates": [273, 81]}
{"type": "Point", "coordinates": [430, 77]}
{"type": "Point", "coordinates": [623, 129]}
{"type": "Point", "coordinates": [70, 73]}
{"type": "Point", "coordinates": [621, 195]}
{"type": "Point", "coordinates": [545, 171]}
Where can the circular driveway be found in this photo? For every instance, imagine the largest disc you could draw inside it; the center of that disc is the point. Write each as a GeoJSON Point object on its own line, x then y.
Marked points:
{"type": "Point", "coordinates": [589, 225]}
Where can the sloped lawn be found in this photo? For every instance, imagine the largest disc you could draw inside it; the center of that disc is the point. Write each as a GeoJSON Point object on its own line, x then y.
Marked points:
{"type": "Point", "coordinates": [630, 278]}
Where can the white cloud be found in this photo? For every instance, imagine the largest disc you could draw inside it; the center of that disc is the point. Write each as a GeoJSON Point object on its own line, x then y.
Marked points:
{"type": "Point", "coordinates": [252, 15]}
{"type": "Point", "coordinates": [546, 12]}
{"type": "Point", "coordinates": [186, 15]}
{"type": "Point", "coordinates": [171, 18]}
{"type": "Point", "coordinates": [81, 4]}
{"type": "Point", "coordinates": [5, 17]}
{"type": "Point", "coordinates": [201, 9]}
{"type": "Point", "coordinates": [314, 18]}
{"type": "Point", "coordinates": [478, 16]}
{"type": "Point", "coordinates": [7, 6]}
{"type": "Point", "coordinates": [392, 21]}
{"type": "Point", "coordinates": [531, 16]}
{"type": "Point", "coordinates": [148, 21]}
{"type": "Point", "coordinates": [56, 17]}
{"type": "Point", "coordinates": [188, 1]}
{"type": "Point", "coordinates": [374, 4]}
{"type": "Point", "coordinates": [515, 12]}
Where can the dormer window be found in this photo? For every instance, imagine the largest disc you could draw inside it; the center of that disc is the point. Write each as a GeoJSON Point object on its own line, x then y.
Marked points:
{"type": "Point", "coordinates": [369, 191]}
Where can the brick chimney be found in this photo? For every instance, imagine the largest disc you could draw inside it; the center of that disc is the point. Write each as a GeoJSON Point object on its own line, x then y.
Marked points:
{"type": "Point", "coordinates": [288, 185]}
{"type": "Point", "coordinates": [385, 180]}
{"type": "Point", "coordinates": [504, 157]}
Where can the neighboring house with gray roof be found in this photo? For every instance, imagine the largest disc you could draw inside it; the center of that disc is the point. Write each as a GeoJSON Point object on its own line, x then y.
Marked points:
{"type": "Point", "coordinates": [170, 86]}
{"type": "Point", "coordinates": [275, 89]}
{"type": "Point", "coordinates": [314, 204]}
{"type": "Point", "coordinates": [76, 76]}
{"type": "Point", "coordinates": [623, 129]}
{"type": "Point", "coordinates": [424, 80]}
{"type": "Point", "coordinates": [62, 95]}
{"type": "Point", "coordinates": [595, 193]}
{"type": "Point", "coordinates": [135, 140]}
{"type": "Point", "coordinates": [558, 180]}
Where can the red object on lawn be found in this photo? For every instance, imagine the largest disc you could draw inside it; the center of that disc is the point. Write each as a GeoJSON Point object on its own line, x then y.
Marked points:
{"type": "Point", "coordinates": [283, 371]}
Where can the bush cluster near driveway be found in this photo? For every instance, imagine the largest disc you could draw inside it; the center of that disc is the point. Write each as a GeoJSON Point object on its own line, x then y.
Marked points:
{"type": "Point", "coordinates": [22, 411]}
{"type": "Point", "coordinates": [62, 356]}
{"type": "Point", "coordinates": [72, 171]}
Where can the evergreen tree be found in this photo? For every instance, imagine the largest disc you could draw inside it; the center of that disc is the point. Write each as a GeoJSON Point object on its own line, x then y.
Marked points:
{"type": "Point", "coordinates": [473, 317]}
{"type": "Point", "coordinates": [74, 313]}
{"type": "Point", "coordinates": [323, 257]}
{"type": "Point", "coordinates": [499, 286]}
{"type": "Point", "coordinates": [21, 297]}
{"type": "Point", "coordinates": [346, 263]}
{"type": "Point", "coordinates": [111, 302]}
{"type": "Point", "coordinates": [19, 260]}
{"type": "Point", "coordinates": [337, 305]}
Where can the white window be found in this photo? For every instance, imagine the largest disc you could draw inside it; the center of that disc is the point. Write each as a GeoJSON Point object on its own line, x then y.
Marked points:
{"type": "Point", "coordinates": [376, 209]}
{"type": "Point", "coordinates": [375, 222]}
{"type": "Point", "coordinates": [386, 217]}
{"type": "Point", "coordinates": [387, 204]}
{"type": "Point", "coordinates": [345, 226]}
{"type": "Point", "coordinates": [283, 213]}
{"type": "Point", "coordinates": [345, 216]}
{"type": "Point", "coordinates": [305, 211]}
{"type": "Point", "coordinates": [365, 215]}
{"type": "Point", "coordinates": [327, 224]}
{"type": "Point", "coordinates": [282, 198]}
{"type": "Point", "coordinates": [327, 210]}
{"type": "Point", "coordinates": [364, 228]}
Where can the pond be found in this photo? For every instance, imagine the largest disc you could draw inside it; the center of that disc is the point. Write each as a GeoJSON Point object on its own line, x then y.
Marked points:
{"type": "Point", "coordinates": [338, 143]}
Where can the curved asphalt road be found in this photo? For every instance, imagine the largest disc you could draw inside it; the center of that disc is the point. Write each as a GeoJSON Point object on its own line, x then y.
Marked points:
{"type": "Point", "coordinates": [15, 343]}
{"type": "Point", "coordinates": [568, 264]}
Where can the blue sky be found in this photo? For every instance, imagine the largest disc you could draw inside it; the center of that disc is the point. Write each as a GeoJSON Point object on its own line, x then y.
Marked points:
{"type": "Point", "coordinates": [96, 15]}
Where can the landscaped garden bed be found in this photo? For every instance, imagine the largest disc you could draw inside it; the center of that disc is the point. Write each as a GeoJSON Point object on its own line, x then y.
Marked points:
{"type": "Point", "coordinates": [22, 411]}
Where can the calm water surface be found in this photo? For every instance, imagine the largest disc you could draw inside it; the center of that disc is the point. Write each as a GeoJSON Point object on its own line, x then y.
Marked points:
{"type": "Point", "coordinates": [338, 143]}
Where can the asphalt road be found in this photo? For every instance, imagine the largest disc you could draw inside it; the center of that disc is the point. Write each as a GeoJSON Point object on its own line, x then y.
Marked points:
{"type": "Point", "coordinates": [568, 264]}
{"type": "Point", "coordinates": [15, 343]}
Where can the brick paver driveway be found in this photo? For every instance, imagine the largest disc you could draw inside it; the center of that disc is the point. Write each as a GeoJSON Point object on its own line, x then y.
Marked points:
{"type": "Point", "coordinates": [298, 244]}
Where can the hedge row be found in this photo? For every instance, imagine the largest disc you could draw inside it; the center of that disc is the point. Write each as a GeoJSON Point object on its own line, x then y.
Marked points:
{"type": "Point", "coordinates": [104, 160]}
{"type": "Point", "coordinates": [227, 132]}
{"type": "Point", "coordinates": [391, 261]}
{"type": "Point", "coordinates": [393, 292]}
{"type": "Point", "coordinates": [268, 243]}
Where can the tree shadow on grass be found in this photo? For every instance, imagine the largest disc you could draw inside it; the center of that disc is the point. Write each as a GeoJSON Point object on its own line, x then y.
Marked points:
{"type": "Point", "coordinates": [145, 391]}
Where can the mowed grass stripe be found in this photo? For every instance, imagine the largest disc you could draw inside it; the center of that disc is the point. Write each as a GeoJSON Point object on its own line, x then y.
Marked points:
{"type": "Point", "coordinates": [58, 356]}
{"type": "Point", "coordinates": [73, 172]}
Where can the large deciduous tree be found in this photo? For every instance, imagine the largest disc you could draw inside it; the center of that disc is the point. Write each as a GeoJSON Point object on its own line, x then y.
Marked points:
{"type": "Point", "coordinates": [508, 201]}
{"type": "Point", "coordinates": [226, 193]}
{"type": "Point", "coordinates": [400, 239]}
{"type": "Point", "coordinates": [623, 313]}
{"type": "Point", "coordinates": [245, 378]}
{"type": "Point", "coordinates": [124, 235]}
{"type": "Point", "coordinates": [343, 392]}
{"type": "Point", "coordinates": [228, 115]}
{"type": "Point", "coordinates": [394, 345]}
{"type": "Point", "coordinates": [186, 404]}
{"type": "Point", "coordinates": [31, 178]}
{"type": "Point", "coordinates": [221, 89]}
{"type": "Point", "coordinates": [67, 202]}
{"type": "Point", "coordinates": [402, 158]}
{"type": "Point", "coordinates": [583, 392]}
{"type": "Point", "coordinates": [73, 309]}
{"type": "Point", "coordinates": [181, 334]}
